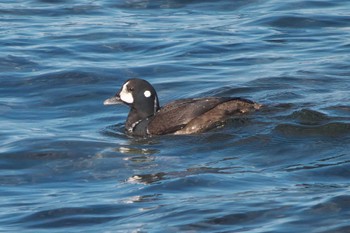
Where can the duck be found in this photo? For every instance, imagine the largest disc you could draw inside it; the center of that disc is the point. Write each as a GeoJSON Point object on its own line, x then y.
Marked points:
{"type": "Point", "coordinates": [179, 117]}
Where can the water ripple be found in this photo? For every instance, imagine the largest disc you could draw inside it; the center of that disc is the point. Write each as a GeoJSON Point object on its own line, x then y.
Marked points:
{"type": "Point", "coordinates": [66, 163]}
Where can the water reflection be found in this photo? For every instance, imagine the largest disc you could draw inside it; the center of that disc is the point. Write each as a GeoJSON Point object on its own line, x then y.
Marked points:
{"type": "Point", "coordinates": [193, 171]}
{"type": "Point", "coordinates": [145, 198]}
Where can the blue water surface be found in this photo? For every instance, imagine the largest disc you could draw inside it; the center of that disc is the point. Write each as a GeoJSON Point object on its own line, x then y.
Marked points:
{"type": "Point", "coordinates": [66, 164]}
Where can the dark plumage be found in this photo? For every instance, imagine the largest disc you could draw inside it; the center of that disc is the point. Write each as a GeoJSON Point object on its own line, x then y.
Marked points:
{"type": "Point", "coordinates": [184, 116]}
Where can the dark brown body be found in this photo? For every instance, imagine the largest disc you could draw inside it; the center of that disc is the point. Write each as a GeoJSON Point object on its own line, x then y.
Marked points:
{"type": "Point", "coordinates": [190, 116]}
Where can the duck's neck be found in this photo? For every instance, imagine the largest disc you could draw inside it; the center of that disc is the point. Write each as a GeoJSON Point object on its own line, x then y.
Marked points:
{"type": "Point", "coordinates": [135, 116]}
{"type": "Point", "coordinates": [141, 111]}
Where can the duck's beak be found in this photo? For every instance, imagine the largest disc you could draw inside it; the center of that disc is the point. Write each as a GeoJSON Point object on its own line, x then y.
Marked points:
{"type": "Point", "coordinates": [113, 100]}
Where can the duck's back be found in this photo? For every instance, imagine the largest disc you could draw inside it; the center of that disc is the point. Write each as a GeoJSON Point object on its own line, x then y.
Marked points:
{"type": "Point", "coordinates": [196, 115]}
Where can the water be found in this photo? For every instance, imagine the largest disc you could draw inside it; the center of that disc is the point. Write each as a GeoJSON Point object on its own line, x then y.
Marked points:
{"type": "Point", "coordinates": [67, 166]}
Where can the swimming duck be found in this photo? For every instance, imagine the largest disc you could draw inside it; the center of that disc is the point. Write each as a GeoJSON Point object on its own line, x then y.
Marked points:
{"type": "Point", "coordinates": [184, 116]}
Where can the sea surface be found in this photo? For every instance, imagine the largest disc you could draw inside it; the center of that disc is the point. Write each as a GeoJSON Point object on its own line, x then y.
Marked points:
{"type": "Point", "coordinates": [66, 164]}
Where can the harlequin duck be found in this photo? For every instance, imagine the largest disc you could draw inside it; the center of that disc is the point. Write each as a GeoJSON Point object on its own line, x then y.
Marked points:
{"type": "Point", "coordinates": [184, 116]}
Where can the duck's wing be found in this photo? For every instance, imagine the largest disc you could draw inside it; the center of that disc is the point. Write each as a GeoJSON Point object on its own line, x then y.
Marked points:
{"type": "Point", "coordinates": [177, 114]}
{"type": "Point", "coordinates": [218, 115]}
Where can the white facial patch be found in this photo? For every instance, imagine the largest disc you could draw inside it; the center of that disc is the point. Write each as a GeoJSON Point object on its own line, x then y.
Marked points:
{"type": "Point", "coordinates": [147, 93]}
{"type": "Point", "coordinates": [125, 95]}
